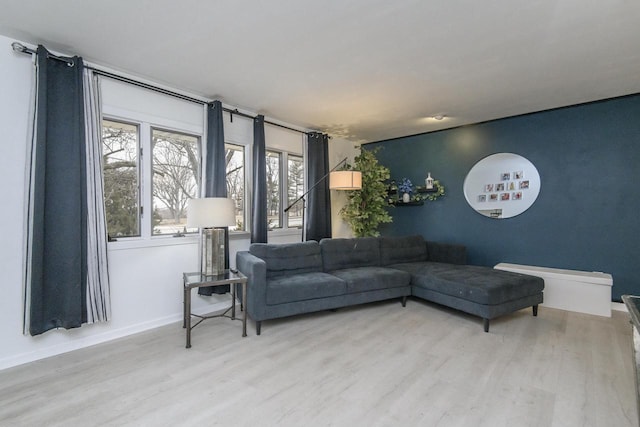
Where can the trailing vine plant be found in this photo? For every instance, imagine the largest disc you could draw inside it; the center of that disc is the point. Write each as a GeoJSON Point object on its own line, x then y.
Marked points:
{"type": "Point", "coordinates": [366, 209]}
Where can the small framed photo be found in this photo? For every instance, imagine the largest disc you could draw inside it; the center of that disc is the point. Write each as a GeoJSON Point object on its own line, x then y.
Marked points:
{"type": "Point", "coordinates": [500, 187]}
{"type": "Point", "coordinates": [504, 196]}
{"type": "Point", "coordinates": [518, 175]}
{"type": "Point", "coordinates": [493, 197]}
{"type": "Point", "coordinates": [482, 198]}
{"type": "Point", "coordinates": [524, 185]}
{"type": "Point", "coordinates": [506, 176]}
{"type": "Point", "coordinates": [488, 188]}
{"type": "Point", "coordinates": [516, 196]}
{"type": "Point", "coordinates": [512, 185]}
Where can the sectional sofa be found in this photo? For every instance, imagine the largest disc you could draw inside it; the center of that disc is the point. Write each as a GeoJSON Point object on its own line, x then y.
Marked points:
{"type": "Point", "coordinates": [291, 279]}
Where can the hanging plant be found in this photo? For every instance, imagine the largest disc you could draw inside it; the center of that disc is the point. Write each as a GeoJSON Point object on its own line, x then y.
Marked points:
{"type": "Point", "coordinates": [366, 208]}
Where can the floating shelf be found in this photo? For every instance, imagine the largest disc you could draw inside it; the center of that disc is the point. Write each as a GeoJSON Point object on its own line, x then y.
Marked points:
{"type": "Point", "coordinates": [395, 198]}
{"type": "Point", "coordinates": [427, 190]}
{"type": "Point", "coordinates": [401, 203]}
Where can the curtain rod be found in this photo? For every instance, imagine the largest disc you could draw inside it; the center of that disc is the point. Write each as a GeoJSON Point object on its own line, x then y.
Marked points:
{"type": "Point", "coordinates": [19, 47]}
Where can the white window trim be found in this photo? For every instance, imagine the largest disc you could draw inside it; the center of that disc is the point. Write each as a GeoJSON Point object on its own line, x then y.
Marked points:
{"type": "Point", "coordinates": [145, 123]}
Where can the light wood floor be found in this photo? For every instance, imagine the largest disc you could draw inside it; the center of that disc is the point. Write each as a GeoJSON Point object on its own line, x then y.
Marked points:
{"type": "Point", "coordinates": [372, 365]}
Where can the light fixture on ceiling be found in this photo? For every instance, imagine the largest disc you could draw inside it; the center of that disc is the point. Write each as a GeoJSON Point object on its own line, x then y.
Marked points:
{"type": "Point", "coordinates": [439, 117]}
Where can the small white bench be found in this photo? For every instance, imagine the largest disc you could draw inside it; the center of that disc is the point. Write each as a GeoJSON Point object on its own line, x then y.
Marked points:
{"type": "Point", "coordinates": [581, 291]}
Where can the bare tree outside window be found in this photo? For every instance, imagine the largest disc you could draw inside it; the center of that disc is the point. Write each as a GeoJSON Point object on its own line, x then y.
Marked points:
{"type": "Point", "coordinates": [295, 189]}
{"type": "Point", "coordinates": [176, 174]}
{"type": "Point", "coordinates": [234, 157]}
{"type": "Point", "coordinates": [121, 178]}
{"type": "Point", "coordinates": [273, 189]}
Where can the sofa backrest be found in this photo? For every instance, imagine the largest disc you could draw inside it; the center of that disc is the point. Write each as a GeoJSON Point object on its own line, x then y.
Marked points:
{"type": "Point", "coordinates": [394, 250]}
{"type": "Point", "coordinates": [350, 253]}
{"type": "Point", "coordinates": [289, 258]}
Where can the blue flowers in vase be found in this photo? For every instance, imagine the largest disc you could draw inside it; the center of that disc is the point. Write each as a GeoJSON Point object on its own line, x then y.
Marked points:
{"type": "Point", "coordinates": [405, 186]}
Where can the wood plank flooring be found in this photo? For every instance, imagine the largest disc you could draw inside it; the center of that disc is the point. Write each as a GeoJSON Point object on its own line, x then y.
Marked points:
{"type": "Point", "coordinates": [372, 365]}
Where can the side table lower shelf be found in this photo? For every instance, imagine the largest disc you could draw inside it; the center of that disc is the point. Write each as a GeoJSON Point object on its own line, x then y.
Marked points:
{"type": "Point", "coordinates": [198, 280]}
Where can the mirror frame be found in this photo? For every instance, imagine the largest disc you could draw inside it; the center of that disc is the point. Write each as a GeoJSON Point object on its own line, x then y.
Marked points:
{"type": "Point", "coordinates": [502, 185]}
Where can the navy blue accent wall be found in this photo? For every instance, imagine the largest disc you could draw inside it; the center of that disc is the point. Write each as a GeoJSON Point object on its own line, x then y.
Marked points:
{"type": "Point", "coordinates": [586, 216]}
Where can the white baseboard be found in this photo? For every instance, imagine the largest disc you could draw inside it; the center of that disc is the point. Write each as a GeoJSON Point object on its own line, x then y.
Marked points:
{"type": "Point", "coordinates": [619, 306]}
{"type": "Point", "coordinates": [98, 338]}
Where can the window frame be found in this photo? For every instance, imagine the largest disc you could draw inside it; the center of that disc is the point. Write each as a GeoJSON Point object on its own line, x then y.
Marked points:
{"type": "Point", "coordinates": [138, 175]}
{"type": "Point", "coordinates": [145, 124]}
{"type": "Point", "coordinates": [283, 190]}
{"type": "Point", "coordinates": [286, 190]}
{"type": "Point", "coordinates": [245, 182]}
{"type": "Point", "coordinates": [198, 177]}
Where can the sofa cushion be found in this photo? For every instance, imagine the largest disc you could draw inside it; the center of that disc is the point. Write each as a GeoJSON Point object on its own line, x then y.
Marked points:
{"type": "Point", "coordinates": [290, 258]}
{"type": "Point", "coordinates": [402, 249]}
{"type": "Point", "coordinates": [363, 279]}
{"type": "Point", "coordinates": [482, 285]}
{"type": "Point", "coordinates": [338, 254]}
{"type": "Point", "coordinates": [305, 286]}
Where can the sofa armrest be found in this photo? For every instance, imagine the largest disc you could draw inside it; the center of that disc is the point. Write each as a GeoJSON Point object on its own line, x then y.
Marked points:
{"type": "Point", "coordinates": [447, 252]}
{"type": "Point", "coordinates": [256, 271]}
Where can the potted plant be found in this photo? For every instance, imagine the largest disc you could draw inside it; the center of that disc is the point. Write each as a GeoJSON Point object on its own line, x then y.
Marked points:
{"type": "Point", "coordinates": [366, 209]}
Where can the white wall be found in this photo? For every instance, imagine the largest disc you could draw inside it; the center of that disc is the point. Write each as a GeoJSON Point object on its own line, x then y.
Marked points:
{"type": "Point", "coordinates": [15, 84]}
{"type": "Point", "coordinates": [338, 150]}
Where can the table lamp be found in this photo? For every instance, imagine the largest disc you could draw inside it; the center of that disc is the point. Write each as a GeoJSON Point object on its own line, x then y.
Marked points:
{"type": "Point", "coordinates": [208, 213]}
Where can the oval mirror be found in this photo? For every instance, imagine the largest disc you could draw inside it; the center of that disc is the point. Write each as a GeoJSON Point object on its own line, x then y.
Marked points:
{"type": "Point", "coordinates": [502, 185]}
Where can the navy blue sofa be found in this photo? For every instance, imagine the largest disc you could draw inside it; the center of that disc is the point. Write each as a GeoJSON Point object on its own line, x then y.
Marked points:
{"type": "Point", "coordinates": [290, 279]}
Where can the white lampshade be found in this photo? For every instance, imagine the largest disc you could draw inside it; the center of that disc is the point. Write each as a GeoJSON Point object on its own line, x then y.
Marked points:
{"type": "Point", "coordinates": [345, 180]}
{"type": "Point", "coordinates": [210, 212]}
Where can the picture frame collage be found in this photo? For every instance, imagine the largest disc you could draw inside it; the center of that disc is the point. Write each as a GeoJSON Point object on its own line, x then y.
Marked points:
{"type": "Point", "coordinates": [511, 187]}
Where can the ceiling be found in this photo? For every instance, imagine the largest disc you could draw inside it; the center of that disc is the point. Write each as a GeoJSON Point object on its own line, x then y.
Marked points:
{"type": "Point", "coordinates": [364, 70]}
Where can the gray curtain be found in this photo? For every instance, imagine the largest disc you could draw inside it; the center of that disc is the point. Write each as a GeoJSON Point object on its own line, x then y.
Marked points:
{"type": "Point", "coordinates": [259, 205]}
{"type": "Point", "coordinates": [56, 269]}
{"type": "Point", "coordinates": [98, 291]}
{"type": "Point", "coordinates": [215, 182]}
{"type": "Point", "coordinates": [318, 224]}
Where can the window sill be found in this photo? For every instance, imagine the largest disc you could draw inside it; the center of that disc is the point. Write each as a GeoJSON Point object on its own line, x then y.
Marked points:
{"type": "Point", "coordinates": [139, 242]}
{"type": "Point", "coordinates": [189, 239]}
{"type": "Point", "coordinates": [285, 232]}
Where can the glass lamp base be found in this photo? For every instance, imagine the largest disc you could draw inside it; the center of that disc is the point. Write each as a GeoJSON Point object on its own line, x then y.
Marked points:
{"type": "Point", "coordinates": [212, 251]}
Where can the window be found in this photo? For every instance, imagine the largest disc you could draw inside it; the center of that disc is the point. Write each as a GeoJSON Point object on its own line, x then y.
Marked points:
{"type": "Point", "coordinates": [176, 174]}
{"type": "Point", "coordinates": [234, 158]}
{"type": "Point", "coordinates": [285, 183]}
{"type": "Point", "coordinates": [151, 170]}
{"type": "Point", "coordinates": [274, 189]}
{"type": "Point", "coordinates": [295, 189]}
{"type": "Point", "coordinates": [132, 207]}
{"type": "Point", "coordinates": [120, 148]}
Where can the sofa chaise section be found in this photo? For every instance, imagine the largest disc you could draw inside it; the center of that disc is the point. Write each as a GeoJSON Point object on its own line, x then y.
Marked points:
{"type": "Point", "coordinates": [444, 278]}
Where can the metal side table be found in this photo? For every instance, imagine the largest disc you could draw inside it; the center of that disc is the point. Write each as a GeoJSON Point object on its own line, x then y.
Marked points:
{"type": "Point", "coordinates": [198, 280]}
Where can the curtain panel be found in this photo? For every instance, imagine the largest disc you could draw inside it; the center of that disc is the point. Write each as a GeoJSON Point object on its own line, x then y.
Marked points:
{"type": "Point", "coordinates": [318, 225]}
{"type": "Point", "coordinates": [98, 287]}
{"type": "Point", "coordinates": [215, 182]}
{"type": "Point", "coordinates": [58, 215]}
{"type": "Point", "coordinates": [61, 222]}
{"type": "Point", "coordinates": [259, 225]}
